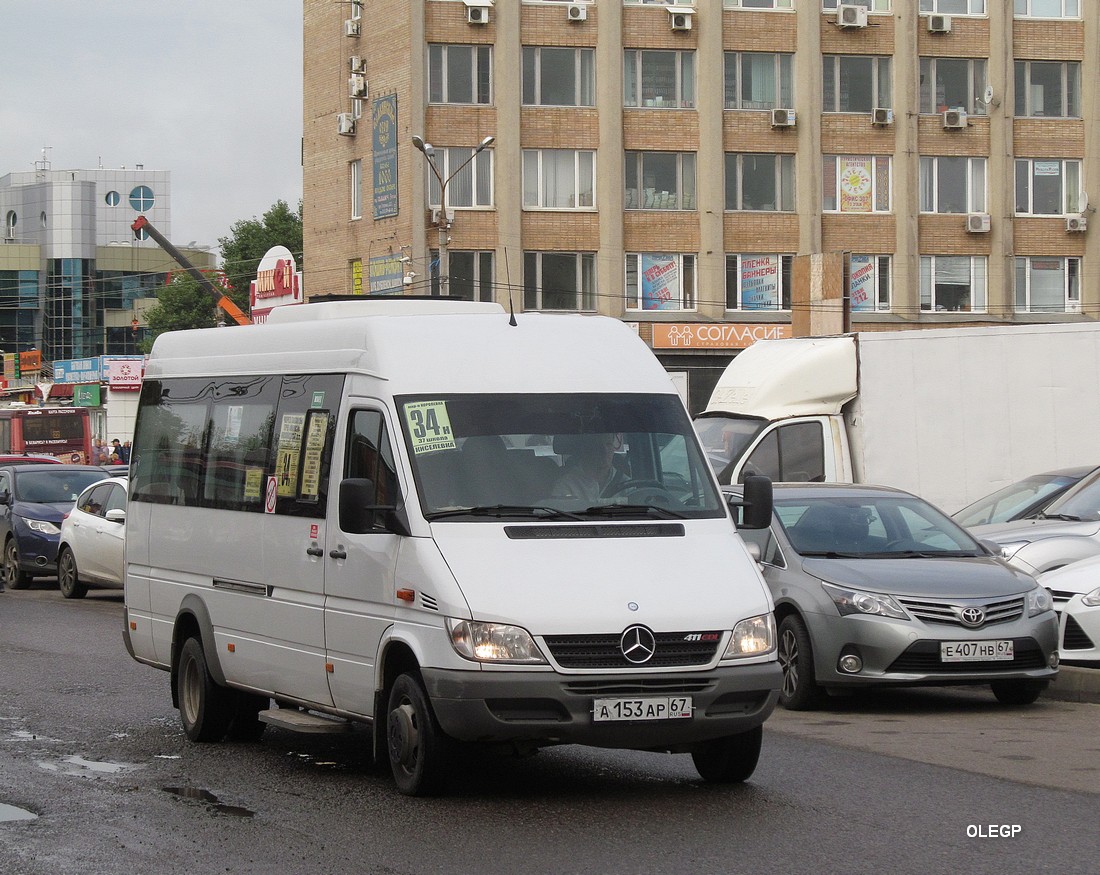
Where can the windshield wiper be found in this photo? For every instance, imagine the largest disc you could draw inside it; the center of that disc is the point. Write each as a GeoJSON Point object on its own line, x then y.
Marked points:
{"type": "Point", "coordinates": [505, 510]}
{"type": "Point", "coordinates": [1068, 517]}
{"type": "Point", "coordinates": [833, 554]}
{"type": "Point", "coordinates": [924, 554]}
{"type": "Point", "coordinates": [633, 510]}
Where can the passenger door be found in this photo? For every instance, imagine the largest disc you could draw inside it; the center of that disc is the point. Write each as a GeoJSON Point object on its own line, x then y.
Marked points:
{"type": "Point", "coordinates": [359, 575]}
{"type": "Point", "coordinates": [87, 527]}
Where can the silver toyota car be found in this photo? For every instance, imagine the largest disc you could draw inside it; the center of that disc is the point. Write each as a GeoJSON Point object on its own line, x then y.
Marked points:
{"type": "Point", "coordinates": [874, 586]}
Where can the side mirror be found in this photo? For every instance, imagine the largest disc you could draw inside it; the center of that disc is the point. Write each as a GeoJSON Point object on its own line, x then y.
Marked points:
{"type": "Point", "coordinates": [5, 497]}
{"type": "Point", "coordinates": [115, 515]}
{"type": "Point", "coordinates": [757, 502]}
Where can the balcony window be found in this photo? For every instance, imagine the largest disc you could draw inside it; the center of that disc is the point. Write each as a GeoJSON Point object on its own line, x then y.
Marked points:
{"type": "Point", "coordinates": [657, 79]}
{"type": "Point", "coordinates": [1047, 188]}
{"type": "Point", "coordinates": [561, 179]}
{"type": "Point", "coordinates": [952, 83]}
{"type": "Point", "coordinates": [472, 186]}
{"type": "Point", "coordinates": [559, 281]}
{"type": "Point", "coordinates": [559, 76]}
{"type": "Point", "coordinates": [759, 182]}
{"type": "Point", "coordinates": [953, 7]}
{"type": "Point", "coordinates": [1048, 8]}
{"type": "Point", "coordinates": [459, 74]}
{"type": "Point", "coordinates": [952, 185]}
{"type": "Point", "coordinates": [1048, 285]}
{"type": "Point", "coordinates": [759, 80]}
{"type": "Point", "coordinates": [1048, 88]}
{"type": "Point", "coordinates": [953, 283]}
{"type": "Point", "coordinates": [660, 281]}
{"type": "Point", "coordinates": [855, 83]}
{"type": "Point", "coordinates": [660, 180]}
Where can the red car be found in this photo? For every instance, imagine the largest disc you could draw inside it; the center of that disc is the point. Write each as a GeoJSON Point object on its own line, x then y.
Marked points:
{"type": "Point", "coordinates": [11, 459]}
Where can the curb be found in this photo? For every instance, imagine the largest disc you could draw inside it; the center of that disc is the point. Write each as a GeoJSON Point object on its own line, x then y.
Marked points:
{"type": "Point", "coordinates": [1075, 684]}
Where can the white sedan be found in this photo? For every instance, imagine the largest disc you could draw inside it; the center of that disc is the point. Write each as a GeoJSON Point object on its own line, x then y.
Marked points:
{"type": "Point", "coordinates": [93, 535]}
{"type": "Point", "coordinates": [1076, 591]}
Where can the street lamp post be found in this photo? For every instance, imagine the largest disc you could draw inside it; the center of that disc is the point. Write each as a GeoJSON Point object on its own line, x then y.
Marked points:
{"type": "Point", "coordinates": [443, 223]}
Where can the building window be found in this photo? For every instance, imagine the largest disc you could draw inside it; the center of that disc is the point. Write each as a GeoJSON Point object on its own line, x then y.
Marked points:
{"type": "Point", "coordinates": [1047, 188]}
{"type": "Point", "coordinates": [758, 80]}
{"type": "Point", "coordinates": [954, 7]}
{"type": "Point", "coordinates": [758, 4]}
{"type": "Point", "coordinates": [855, 83]}
{"type": "Point", "coordinates": [952, 83]}
{"type": "Point", "coordinates": [660, 180]}
{"type": "Point", "coordinates": [870, 283]}
{"type": "Point", "coordinates": [954, 283]}
{"type": "Point", "coordinates": [871, 5]}
{"type": "Point", "coordinates": [659, 281]}
{"type": "Point", "coordinates": [356, 9]}
{"type": "Point", "coordinates": [1048, 285]}
{"type": "Point", "coordinates": [559, 76]}
{"type": "Point", "coordinates": [459, 74]}
{"type": "Point", "coordinates": [10, 221]}
{"type": "Point", "coordinates": [560, 179]}
{"type": "Point", "coordinates": [952, 185]}
{"type": "Point", "coordinates": [856, 184]}
{"type": "Point", "coordinates": [658, 78]}
{"type": "Point", "coordinates": [759, 182]}
{"type": "Point", "coordinates": [758, 281]}
{"type": "Point", "coordinates": [559, 281]}
{"type": "Point", "coordinates": [471, 185]}
{"type": "Point", "coordinates": [141, 198]}
{"type": "Point", "coordinates": [470, 275]}
{"type": "Point", "coordinates": [355, 171]}
{"type": "Point", "coordinates": [112, 198]}
{"type": "Point", "coordinates": [658, 2]}
{"type": "Point", "coordinates": [1048, 88]}
{"type": "Point", "coordinates": [1048, 9]}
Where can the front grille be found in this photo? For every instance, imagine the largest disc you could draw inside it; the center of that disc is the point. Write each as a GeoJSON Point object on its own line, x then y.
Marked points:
{"type": "Point", "coordinates": [1076, 638]}
{"type": "Point", "coordinates": [1060, 597]}
{"type": "Point", "coordinates": [651, 686]}
{"type": "Point", "coordinates": [605, 651]}
{"type": "Point", "coordinates": [923, 657]}
{"type": "Point", "coordinates": [932, 611]}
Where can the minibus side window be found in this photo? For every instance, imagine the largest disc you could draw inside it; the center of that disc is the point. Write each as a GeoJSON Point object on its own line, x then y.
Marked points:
{"type": "Point", "coordinates": [242, 416]}
{"type": "Point", "coordinates": [304, 431]}
{"type": "Point", "coordinates": [168, 462]}
{"type": "Point", "coordinates": [370, 455]}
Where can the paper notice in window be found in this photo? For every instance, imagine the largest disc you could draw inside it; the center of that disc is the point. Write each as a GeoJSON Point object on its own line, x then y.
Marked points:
{"type": "Point", "coordinates": [253, 483]}
{"type": "Point", "coordinates": [316, 432]}
{"type": "Point", "coordinates": [429, 426]}
{"type": "Point", "coordinates": [290, 450]}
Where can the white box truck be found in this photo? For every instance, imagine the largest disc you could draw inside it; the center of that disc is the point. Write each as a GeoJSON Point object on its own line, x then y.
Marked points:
{"type": "Point", "coordinates": [949, 414]}
{"type": "Point", "coordinates": [450, 526]}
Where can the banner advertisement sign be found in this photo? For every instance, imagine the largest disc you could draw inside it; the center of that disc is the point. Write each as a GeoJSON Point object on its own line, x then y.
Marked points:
{"type": "Point", "coordinates": [691, 335]}
{"type": "Point", "coordinates": [385, 275]}
{"type": "Point", "coordinates": [760, 282]}
{"type": "Point", "coordinates": [384, 147]}
{"type": "Point", "coordinates": [278, 283]}
{"type": "Point", "coordinates": [87, 395]}
{"type": "Point", "coordinates": [855, 185]}
{"type": "Point", "coordinates": [77, 370]}
{"type": "Point", "coordinates": [124, 372]}
{"type": "Point", "coordinates": [863, 282]}
{"type": "Point", "coordinates": [660, 278]}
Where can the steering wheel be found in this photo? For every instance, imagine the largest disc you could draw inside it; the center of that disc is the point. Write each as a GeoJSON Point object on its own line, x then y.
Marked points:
{"type": "Point", "coordinates": [645, 491]}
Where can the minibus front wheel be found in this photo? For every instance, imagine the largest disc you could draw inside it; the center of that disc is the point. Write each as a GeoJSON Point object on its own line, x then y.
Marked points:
{"type": "Point", "coordinates": [418, 748]}
{"type": "Point", "coordinates": [206, 709]}
{"type": "Point", "coordinates": [729, 760]}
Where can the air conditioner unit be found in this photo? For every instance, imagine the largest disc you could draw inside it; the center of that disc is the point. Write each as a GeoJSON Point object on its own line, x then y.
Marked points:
{"type": "Point", "coordinates": [352, 27]}
{"type": "Point", "coordinates": [1076, 222]}
{"type": "Point", "coordinates": [954, 120]}
{"type": "Point", "coordinates": [977, 223]}
{"type": "Point", "coordinates": [345, 124]}
{"type": "Point", "coordinates": [357, 86]}
{"type": "Point", "coordinates": [679, 20]}
{"type": "Point", "coordinates": [939, 24]}
{"type": "Point", "coordinates": [357, 64]}
{"type": "Point", "coordinates": [882, 115]}
{"type": "Point", "coordinates": [576, 12]}
{"type": "Point", "coordinates": [851, 16]}
{"type": "Point", "coordinates": [477, 14]}
{"type": "Point", "coordinates": [439, 213]}
{"type": "Point", "coordinates": [783, 118]}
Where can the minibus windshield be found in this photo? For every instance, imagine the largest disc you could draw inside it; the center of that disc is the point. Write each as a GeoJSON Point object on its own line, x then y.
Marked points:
{"type": "Point", "coordinates": [556, 456]}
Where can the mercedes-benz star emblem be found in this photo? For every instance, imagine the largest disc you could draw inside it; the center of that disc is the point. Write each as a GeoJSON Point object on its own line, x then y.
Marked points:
{"type": "Point", "coordinates": [972, 616]}
{"type": "Point", "coordinates": [638, 644]}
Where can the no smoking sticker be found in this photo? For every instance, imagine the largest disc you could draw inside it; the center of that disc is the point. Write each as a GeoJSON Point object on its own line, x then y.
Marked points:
{"type": "Point", "coordinates": [271, 494]}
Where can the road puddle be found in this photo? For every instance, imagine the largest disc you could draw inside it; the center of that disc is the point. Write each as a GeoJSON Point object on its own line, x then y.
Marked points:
{"type": "Point", "coordinates": [80, 767]}
{"type": "Point", "coordinates": [9, 813]}
{"type": "Point", "coordinates": [212, 802]}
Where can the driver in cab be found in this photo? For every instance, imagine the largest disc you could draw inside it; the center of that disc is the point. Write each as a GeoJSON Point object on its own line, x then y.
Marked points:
{"type": "Point", "coordinates": [589, 472]}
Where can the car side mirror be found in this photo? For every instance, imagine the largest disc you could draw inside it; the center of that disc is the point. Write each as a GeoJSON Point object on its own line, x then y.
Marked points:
{"type": "Point", "coordinates": [757, 502]}
{"type": "Point", "coordinates": [115, 515]}
{"type": "Point", "coordinates": [358, 513]}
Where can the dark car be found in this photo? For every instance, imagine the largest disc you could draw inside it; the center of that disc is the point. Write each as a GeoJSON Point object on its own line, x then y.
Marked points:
{"type": "Point", "coordinates": [33, 501]}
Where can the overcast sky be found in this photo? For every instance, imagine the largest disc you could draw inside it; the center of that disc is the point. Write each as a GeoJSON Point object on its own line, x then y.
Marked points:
{"type": "Point", "coordinates": [210, 90]}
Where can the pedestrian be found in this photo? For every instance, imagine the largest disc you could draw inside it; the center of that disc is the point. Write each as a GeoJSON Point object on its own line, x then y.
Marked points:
{"type": "Point", "coordinates": [124, 453]}
{"type": "Point", "coordinates": [115, 452]}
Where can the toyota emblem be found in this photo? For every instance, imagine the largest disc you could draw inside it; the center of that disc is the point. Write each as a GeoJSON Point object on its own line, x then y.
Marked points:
{"type": "Point", "coordinates": [972, 616]}
{"type": "Point", "coordinates": [638, 644]}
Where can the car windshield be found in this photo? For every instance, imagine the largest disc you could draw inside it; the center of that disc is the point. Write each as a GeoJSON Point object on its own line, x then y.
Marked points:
{"type": "Point", "coordinates": [871, 526]}
{"type": "Point", "coordinates": [53, 487]}
{"type": "Point", "coordinates": [1081, 502]}
{"type": "Point", "coordinates": [1008, 503]}
{"type": "Point", "coordinates": [725, 439]}
{"type": "Point", "coordinates": [556, 456]}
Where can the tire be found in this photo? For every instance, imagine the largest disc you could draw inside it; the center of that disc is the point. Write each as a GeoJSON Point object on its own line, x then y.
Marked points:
{"type": "Point", "coordinates": [800, 691]}
{"type": "Point", "coordinates": [68, 578]}
{"type": "Point", "coordinates": [246, 724]}
{"type": "Point", "coordinates": [14, 576]}
{"type": "Point", "coordinates": [729, 760]}
{"type": "Point", "coordinates": [418, 749]}
{"type": "Point", "coordinates": [1017, 692]}
{"type": "Point", "coordinates": [206, 709]}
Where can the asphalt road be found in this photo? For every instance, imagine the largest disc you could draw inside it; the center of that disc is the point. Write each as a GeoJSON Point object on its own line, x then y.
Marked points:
{"type": "Point", "coordinates": [907, 782]}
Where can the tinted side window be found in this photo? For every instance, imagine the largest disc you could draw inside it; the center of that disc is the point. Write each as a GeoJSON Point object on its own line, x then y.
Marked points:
{"type": "Point", "coordinates": [791, 454]}
{"type": "Point", "coordinates": [95, 501]}
{"type": "Point", "coordinates": [242, 413]}
{"type": "Point", "coordinates": [304, 430]}
{"type": "Point", "coordinates": [167, 465]}
{"type": "Point", "coordinates": [370, 455]}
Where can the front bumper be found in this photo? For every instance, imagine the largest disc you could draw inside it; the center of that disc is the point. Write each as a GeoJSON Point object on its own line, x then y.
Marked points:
{"type": "Point", "coordinates": [1079, 633]}
{"type": "Point", "coordinates": [547, 708]}
{"type": "Point", "coordinates": [37, 552]}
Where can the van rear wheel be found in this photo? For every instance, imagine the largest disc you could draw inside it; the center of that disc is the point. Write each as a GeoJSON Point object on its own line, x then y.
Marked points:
{"type": "Point", "coordinates": [418, 748]}
{"type": "Point", "coordinates": [206, 709]}
{"type": "Point", "coordinates": [729, 760]}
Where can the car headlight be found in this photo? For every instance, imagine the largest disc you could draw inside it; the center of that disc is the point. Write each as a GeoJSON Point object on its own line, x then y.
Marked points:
{"type": "Point", "coordinates": [1092, 599]}
{"type": "Point", "coordinates": [1011, 548]}
{"type": "Point", "coordinates": [872, 604]}
{"type": "Point", "coordinates": [1039, 601]}
{"type": "Point", "coordinates": [43, 527]}
{"type": "Point", "coordinates": [754, 636]}
{"type": "Point", "coordinates": [493, 642]}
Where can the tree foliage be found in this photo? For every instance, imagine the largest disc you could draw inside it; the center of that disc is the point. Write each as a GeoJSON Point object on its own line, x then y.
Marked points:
{"type": "Point", "coordinates": [181, 304]}
{"type": "Point", "coordinates": [249, 239]}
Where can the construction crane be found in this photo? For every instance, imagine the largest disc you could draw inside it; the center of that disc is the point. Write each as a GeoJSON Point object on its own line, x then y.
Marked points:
{"type": "Point", "coordinates": [221, 299]}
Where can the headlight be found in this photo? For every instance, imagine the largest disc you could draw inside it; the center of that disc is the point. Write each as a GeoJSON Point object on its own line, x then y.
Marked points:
{"type": "Point", "coordinates": [752, 637]}
{"type": "Point", "coordinates": [43, 527]}
{"type": "Point", "coordinates": [493, 642]}
{"type": "Point", "coordinates": [1011, 548]}
{"type": "Point", "coordinates": [1092, 599]}
{"type": "Point", "coordinates": [873, 604]}
{"type": "Point", "coordinates": [1039, 601]}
